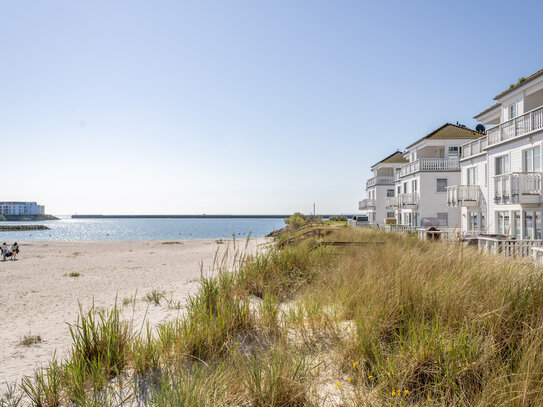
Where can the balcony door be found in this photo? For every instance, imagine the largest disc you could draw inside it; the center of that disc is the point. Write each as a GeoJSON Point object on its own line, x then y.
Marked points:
{"type": "Point", "coordinates": [532, 225]}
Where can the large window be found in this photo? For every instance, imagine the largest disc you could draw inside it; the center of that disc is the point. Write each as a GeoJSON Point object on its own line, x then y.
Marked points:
{"type": "Point", "coordinates": [513, 110]}
{"type": "Point", "coordinates": [531, 161]}
{"type": "Point", "coordinates": [443, 218]}
{"type": "Point", "coordinates": [390, 193]}
{"type": "Point", "coordinates": [441, 185]}
{"type": "Point", "coordinates": [414, 185]}
{"type": "Point", "coordinates": [503, 222]}
{"type": "Point", "coordinates": [502, 165]}
{"type": "Point", "coordinates": [532, 225]}
{"type": "Point", "coordinates": [471, 173]}
{"type": "Point", "coordinates": [454, 152]}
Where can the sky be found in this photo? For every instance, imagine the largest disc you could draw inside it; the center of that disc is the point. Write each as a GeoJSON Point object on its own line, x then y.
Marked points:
{"type": "Point", "coordinates": [239, 107]}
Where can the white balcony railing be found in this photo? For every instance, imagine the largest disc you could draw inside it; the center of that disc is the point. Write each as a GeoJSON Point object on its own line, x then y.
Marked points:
{"type": "Point", "coordinates": [518, 187]}
{"type": "Point", "coordinates": [391, 202]}
{"type": "Point", "coordinates": [366, 204]}
{"type": "Point", "coordinates": [408, 201]}
{"type": "Point", "coordinates": [430, 164]}
{"type": "Point", "coordinates": [380, 180]}
{"type": "Point", "coordinates": [528, 122]}
{"type": "Point", "coordinates": [468, 196]}
{"type": "Point", "coordinates": [508, 248]}
{"type": "Point", "coordinates": [474, 147]}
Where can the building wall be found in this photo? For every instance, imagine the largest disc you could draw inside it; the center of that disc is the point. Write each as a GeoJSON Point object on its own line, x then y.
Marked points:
{"type": "Point", "coordinates": [21, 208]}
{"type": "Point", "coordinates": [514, 150]}
{"type": "Point", "coordinates": [481, 179]}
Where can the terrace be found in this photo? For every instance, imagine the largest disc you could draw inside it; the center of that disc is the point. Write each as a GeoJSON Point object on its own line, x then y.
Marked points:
{"type": "Point", "coordinates": [468, 196]}
{"type": "Point", "coordinates": [518, 188]}
{"type": "Point", "coordinates": [430, 164]}
{"type": "Point", "coordinates": [519, 126]}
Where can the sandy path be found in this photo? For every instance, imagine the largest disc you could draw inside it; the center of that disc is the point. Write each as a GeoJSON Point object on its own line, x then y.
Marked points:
{"type": "Point", "coordinates": [38, 297]}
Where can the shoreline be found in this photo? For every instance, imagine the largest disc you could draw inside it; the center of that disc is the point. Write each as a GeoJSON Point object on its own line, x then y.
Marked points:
{"type": "Point", "coordinates": [40, 292]}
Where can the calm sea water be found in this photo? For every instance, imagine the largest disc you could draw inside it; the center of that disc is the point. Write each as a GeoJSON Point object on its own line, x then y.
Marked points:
{"type": "Point", "coordinates": [67, 229]}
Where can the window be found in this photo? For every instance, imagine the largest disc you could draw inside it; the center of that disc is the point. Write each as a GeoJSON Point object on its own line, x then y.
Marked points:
{"type": "Point", "coordinates": [503, 223]}
{"type": "Point", "coordinates": [531, 160]}
{"type": "Point", "coordinates": [471, 173]}
{"type": "Point", "coordinates": [443, 218]}
{"type": "Point", "coordinates": [414, 185]}
{"type": "Point", "coordinates": [441, 185]}
{"type": "Point", "coordinates": [532, 225]}
{"type": "Point", "coordinates": [513, 110]}
{"type": "Point", "coordinates": [399, 190]}
{"type": "Point", "coordinates": [473, 221]}
{"type": "Point", "coordinates": [454, 152]}
{"type": "Point", "coordinates": [502, 165]}
{"type": "Point", "coordinates": [390, 193]}
{"type": "Point", "coordinates": [390, 214]}
{"type": "Point", "coordinates": [405, 187]}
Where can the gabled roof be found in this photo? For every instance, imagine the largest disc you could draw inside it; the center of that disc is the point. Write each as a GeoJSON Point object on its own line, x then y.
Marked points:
{"type": "Point", "coordinates": [489, 109]}
{"type": "Point", "coordinates": [394, 158]}
{"type": "Point", "coordinates": [450, 131]}
{"type": "Point", "coordinates": [517, 85]}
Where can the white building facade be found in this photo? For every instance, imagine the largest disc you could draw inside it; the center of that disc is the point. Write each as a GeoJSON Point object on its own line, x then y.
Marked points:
{"type": "Point", "coordinates": [380, 188]}
{"type": "Point", "coordinates": [500, 189]}
{"type": "Point", "coordinates": [421, 184]}
{"type": "Point", "coordinates": [21, 208]}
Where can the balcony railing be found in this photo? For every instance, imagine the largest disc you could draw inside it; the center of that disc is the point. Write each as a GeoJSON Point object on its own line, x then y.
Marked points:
{"type": "Point", "coordinates": [528, 122]}
{"type": "Point", "coordinates": [366, 204]}
{"type": "Point", "coordinates": [474, 147]}
{"type": "Point", "coordinates": [430, 164]}
{"type": "Point", "coordinates": [408, 201]}
{"type": "Point", "coordinates": [518, 187]}
{"type": "Point", "coordinates": [468, 196]}
{"type": "Point", "coordinates": [391, 202]}
{"type": "Point", "coordinates": [380, 180]}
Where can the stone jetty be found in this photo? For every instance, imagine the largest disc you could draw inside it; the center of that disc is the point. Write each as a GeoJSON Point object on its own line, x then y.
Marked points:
{"type": "Point", "coordinates": [20, 228]}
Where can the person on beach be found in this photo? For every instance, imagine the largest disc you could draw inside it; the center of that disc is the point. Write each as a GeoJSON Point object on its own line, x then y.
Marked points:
{"type": "Point", "coordinates": [14, 250]}
{"type": "Point", "coordinates": [4, 251]}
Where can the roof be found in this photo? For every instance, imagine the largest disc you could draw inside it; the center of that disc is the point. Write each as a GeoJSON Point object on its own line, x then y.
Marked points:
{"type": "Point", "coordinates": [518, 84]}
{"type": "Point", "coordinates": [394, 158]}
{"type": "Point", "coordinates": [450, 131]}
{"type": "Point", "coordinates": [489, 109]}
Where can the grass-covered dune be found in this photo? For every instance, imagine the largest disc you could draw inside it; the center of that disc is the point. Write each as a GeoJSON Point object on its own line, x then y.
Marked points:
{"type": "Point", "coordinates": [392, 322]}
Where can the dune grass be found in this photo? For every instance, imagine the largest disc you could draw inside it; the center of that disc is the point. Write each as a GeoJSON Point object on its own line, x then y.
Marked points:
{"type": "Point", "coordinates": [405, 323]}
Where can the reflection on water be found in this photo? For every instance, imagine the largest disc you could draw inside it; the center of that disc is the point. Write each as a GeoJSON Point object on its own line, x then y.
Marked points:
{"type": "Point", "coordinates": [67, 229]}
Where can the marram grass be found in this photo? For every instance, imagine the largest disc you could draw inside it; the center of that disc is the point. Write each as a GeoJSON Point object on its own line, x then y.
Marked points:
{"type": "Point", "coordinates": [403, 323]}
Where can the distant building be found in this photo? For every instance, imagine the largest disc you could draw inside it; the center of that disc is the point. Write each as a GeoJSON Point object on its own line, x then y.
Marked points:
{"type": "Point", "coordinates": [21, 208]}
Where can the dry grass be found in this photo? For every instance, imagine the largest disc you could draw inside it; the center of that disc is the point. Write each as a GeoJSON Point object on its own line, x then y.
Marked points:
{"type": "Point", "coordinates": [405, 323]}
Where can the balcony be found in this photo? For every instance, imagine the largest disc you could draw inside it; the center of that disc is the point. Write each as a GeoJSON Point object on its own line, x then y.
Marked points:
{"type": "Point", "coordinates": [408, 201]}
{"type": "Point", "coordinates": [366, 204]}
{"type": "Point", "coordinates": [474, 147]}
{"type": "Point", "coordinates": [518, 188]}
{"type": "Point", "coordinates": [380, 180]}
{"type": "Point", "coordinates": [468, 196]}
{"type": "Point", "coordinates": [430, 164]}
{"type": "Point", "coordinates": [391, 202]}
{"type": "Point", "coordinates": [516, 127]}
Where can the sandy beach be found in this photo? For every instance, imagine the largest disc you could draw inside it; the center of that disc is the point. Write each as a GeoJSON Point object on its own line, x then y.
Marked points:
{"type": "Point", "coordinates": [39, 297]}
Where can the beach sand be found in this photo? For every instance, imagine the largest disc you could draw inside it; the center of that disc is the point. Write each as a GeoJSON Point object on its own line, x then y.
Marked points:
{"type": "Point", "coordinates": [38, 297]}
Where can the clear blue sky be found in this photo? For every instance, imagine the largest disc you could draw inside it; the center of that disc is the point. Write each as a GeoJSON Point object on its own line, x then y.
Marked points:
{"type": "Point", "coordinates": [239, 106]}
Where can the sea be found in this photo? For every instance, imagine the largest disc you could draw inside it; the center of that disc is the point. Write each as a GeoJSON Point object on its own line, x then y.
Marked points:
{"type": "Point", "coordinates": [70, 230]}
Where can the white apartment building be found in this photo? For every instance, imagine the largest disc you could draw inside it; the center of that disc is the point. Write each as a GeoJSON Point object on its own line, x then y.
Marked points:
{"type": "Point", "coordinates": [501, 174]}
{"type": "Point", "coordinates": [421, 184]}
{"type": "Point", "coordinates": [380, 187]}
{"type": "Point", "coordinates": [21, 208]}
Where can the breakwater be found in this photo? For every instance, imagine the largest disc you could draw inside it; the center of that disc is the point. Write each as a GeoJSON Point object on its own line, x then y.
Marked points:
{"type": "Point", "coordinates": [20, 228]}
{"type": "Point", "coordinates": [204, 216]}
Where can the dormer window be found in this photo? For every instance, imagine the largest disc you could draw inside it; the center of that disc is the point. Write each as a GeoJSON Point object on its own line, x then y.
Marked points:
{"type": "Point", "coordinates": [513, 110]}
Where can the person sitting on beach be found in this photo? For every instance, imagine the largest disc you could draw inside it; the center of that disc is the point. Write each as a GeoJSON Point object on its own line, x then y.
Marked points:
{"type": "Point", "coordinates": [4, 251]}
{"type": "Point", "coordinates": [14, 250]}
